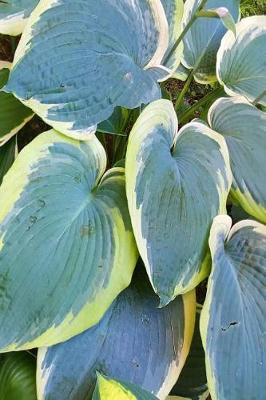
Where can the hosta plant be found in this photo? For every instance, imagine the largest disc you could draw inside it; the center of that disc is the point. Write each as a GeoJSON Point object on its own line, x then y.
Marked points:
{"type": "Point", "coordinates": [132, 224]}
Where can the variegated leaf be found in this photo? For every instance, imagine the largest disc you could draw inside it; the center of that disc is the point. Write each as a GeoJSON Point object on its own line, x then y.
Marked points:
{"type": "Point", "coordinates": [233, 320]}
{"type": "Point", "coordinates": [176, 183]}
{"type": "Point", "coordinates": [66, 244]}
{"type": "Point", "coordinates": [244, 129]}
{"type": "Point", "coordinates": [241, 66]}
{"type": "Point", "coordinates": [110, 389]}
{"type": "Point", "coordinates": [202, 41]}
{"type": "Point", "coordinates": [78, 60]}
{"type": "Point", "coordinates": [192, 382]}
{"type": "Point", "coordinates": [174, 10]}
{"type": "Point", "coordinates": [14, 15]}
{"type": "Point", "coordinates": [126, 344]}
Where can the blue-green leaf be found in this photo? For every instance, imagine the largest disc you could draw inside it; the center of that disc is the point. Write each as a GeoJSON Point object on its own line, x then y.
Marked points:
{"type": "Point", "coordinates": [176, 183]}
{"type": "Point", "coordinates": [66, 244]}
{"type": "Point", "coordinates": [127, 344]}
{"type": "Point", "coordinates": [244, 129]}
{"type": "Point", "coordinates": [174, 10]}
{"type": "Point", "coordinates": [241, 66]}
{"type": "Point", "coordinates": [192, 383]}
{"type": "Point", "coordinates": [14, 15]}
{"type": "Point", "coordinates": [202, 41]}
{"type": "Point", "coordinates": [17, 376]}
{"type": "Point", "coordinates": [233, 321]}
{"type": "Point", "coordinates": [78, 60]}
{"type": "Point", "coordinates": [13, 114]}
{"type": "Point", "coordinates": [110, 389]}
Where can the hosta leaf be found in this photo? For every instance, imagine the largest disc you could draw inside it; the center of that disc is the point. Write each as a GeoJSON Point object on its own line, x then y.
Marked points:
{"type": "Point", "coordinates": [174, 10]}
{"type": "Point", "coordinates": [7, 157]}
{"type": "Point", "coordinates": [244, 129]}
{"type": "Point", "coordinates": [13, 114]}
{"type": "Point", "coordinates": [17, 377]}
{"type": "Point", "coordinates": [14, 15]}
{"type": "Point", "coordinates": [233, 322]}
{"type": "Point", "coordinates": [176, 184]}
{"type": "Point", "coordinates": [192, 383]}
{"type": "Point", "coordinates": [78, 60]}
{"type": "Point", "coordinates": [202, 41]}
{"type": "Point", "coordinates": [241, 66]}
{"type": "Point", "coordinates": [66, 245]}
{"type": "Point", "coordinates": [126, 344]}
{"type": "Point", "coordinates": [109, 389]}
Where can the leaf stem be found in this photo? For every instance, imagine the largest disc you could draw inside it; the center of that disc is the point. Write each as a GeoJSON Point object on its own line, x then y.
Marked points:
{"type": "Point", "coordinates": [188, 114]}
{"type": "Point", "coordinates": [181, 95]}
{"type": "Point", "coordinates": [259, 98]}
{"type": "Point", "coordinates": [110, 133]}
{"type": "Point", "coordinates": [193, 71]}
{"type": "Point", "coordinates": [186, 29]}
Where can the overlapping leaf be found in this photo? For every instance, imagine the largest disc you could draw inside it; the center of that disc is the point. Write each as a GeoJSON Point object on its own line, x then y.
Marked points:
{"type": "Point", "coordinates": [126, 344]}
{"type": "Point", "coordinates": [14, 14]}
{"type": "Point", "coordinates": [202, 41]}
{"type": "Point", "coordinates": [233, 322]}
{"type": "Point", "coordinates": [244, 129]}
{"type": "Point", "coordinates": [66, 245]}
{"type": "Point", "coordinates": [109, 389]}
{"type": "Point", "coordinates": [176, 184]}
{"type": "Point", "coordinates": [17, 377]}
{"type": "Point", "coordinates": [174, 10]}
{"type": "Point", "coordinates": [241, 66]}
{"type": "Point", "coordinates": [78, 60]}
{"type": "Point", "coordinates": [192, 383]}
{"type": "Point", "coordinates": [13, 114]}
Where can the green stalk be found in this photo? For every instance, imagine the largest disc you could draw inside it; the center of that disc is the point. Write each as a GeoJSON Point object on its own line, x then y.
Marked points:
{"type": "Point", "coordinates": [181, 95]}
{"type": "Point", "coordinates": [189, 114]}
{"type": "Point", "coordinates": [259, 98]}
{"type": "Point", "coordinates": [110, 133]}
{"type": "Point", "coordinates": [186, 29]}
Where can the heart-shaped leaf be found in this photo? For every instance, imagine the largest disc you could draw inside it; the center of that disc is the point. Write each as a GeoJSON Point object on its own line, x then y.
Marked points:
{"type": "Point", "coordinates": [14, 15]}
{"type": "Point", "coordinates": [176, 183]}
{"type": "Point", "coordinates": [7, 156]}
{"type": "Point", "coordinates": [126, 344]}
{"type": "Point", "coordinates": [13, 114]}
{"type": "Point", "coordinates": [78, 60]}
{"type": "Point", "coordinates": [17, 376]}
{"type": "Point", "coordinates": [202, 41]}
{"type": "Point", "coordinates": [233, 322]}
{"type": "Point", "coordinates": [241, 66]}
{"type": "Point", "coordinates": [244, 129]}
{"type": "Point", "coordinates": [66, 244]}
{"type": "Point", "coordinates": [109, 389]}
{"type": "Point", "coordinates": [192, 383]}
